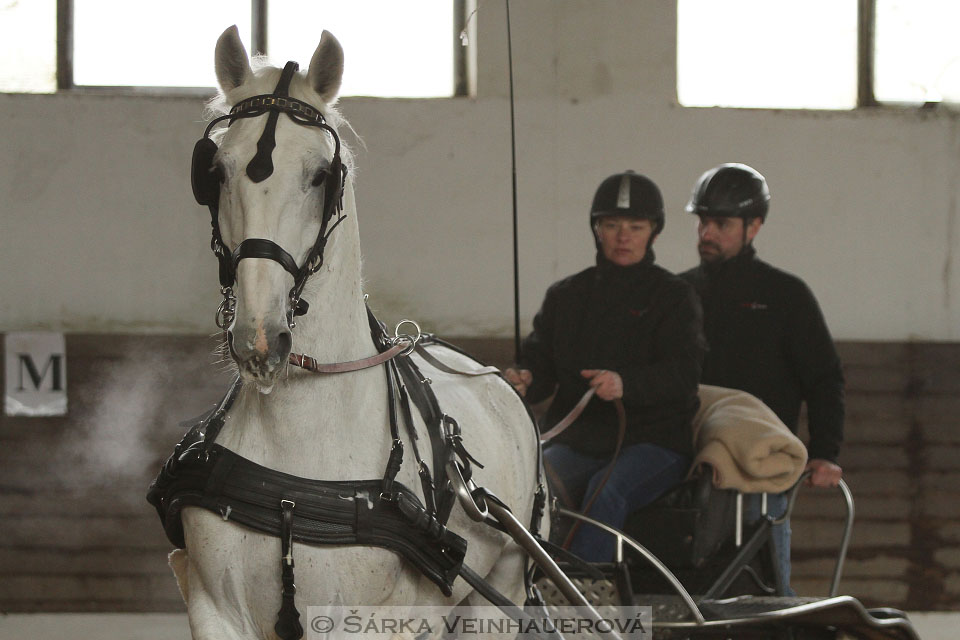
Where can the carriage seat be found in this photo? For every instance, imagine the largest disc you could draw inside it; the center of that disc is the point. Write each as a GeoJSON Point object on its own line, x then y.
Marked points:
{"type": "Point", "coordinates": [741, 446]}
{"type": "Point", "coordinates": [688, 524]}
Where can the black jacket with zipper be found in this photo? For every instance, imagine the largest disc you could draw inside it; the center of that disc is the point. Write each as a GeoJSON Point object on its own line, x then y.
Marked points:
{"type": "Point", "coordinates": [640, 321]}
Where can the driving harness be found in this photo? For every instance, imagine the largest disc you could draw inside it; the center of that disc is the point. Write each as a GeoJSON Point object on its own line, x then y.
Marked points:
{"type": "Point", "coordinates": [380, 512]}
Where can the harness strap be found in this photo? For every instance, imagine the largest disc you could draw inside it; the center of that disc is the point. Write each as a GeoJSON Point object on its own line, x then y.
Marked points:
{"type": "Point", "coordinates": [261, 166]}
{"type": "Point", "coordinates": [310, 364]}
{"type": "Point", "coordinates": [437, 364]}
{"type": "Point", "coordinates": [536, 515]}
{"type": "Point", "coordinates": [288, 618]}
{"type": "Point", "coordinates": [210, 427]}
{"type": "Point", "coordinates": [396, 449]}
{"type": "Point", "coordinates": [423, 470]}
{"type": "Point", "coordinates": [267, 249]}
{"type": "Point", "coordinates": [426, 402]}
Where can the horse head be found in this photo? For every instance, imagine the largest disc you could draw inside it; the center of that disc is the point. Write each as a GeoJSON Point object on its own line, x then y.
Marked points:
{"type": "Point", "coordinates": [274, 186]}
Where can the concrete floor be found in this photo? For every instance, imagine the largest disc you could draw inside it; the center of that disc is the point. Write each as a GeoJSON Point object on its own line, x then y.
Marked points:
{"type": "Point", "coordinates": [157, 626]}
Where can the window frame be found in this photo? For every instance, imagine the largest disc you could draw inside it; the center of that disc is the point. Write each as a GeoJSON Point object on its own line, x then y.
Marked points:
{"type": "Point", "coordinates": [866, 43]}
{"type": "Point", "coordinates": [258, 8]}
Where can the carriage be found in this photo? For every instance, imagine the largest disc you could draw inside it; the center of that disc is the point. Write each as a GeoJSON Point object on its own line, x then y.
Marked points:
{"type": "Point", "coordinates": [298, 487]}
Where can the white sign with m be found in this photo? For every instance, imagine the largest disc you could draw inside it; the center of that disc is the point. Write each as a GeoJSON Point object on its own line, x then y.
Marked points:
{"type": "Point", "coordinates": [36, 374]}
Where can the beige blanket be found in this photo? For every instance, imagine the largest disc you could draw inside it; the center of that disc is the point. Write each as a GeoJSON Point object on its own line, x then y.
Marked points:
{"type": "Point", "coordinates": [745, 442]}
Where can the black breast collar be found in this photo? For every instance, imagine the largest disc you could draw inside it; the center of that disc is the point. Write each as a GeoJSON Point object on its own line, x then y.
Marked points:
{"type": "Point", "coordinates": [322, 512]}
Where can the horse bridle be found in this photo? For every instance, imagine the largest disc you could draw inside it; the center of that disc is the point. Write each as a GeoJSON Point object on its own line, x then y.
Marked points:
{"type": "Point", "coordinates": [206, 179]}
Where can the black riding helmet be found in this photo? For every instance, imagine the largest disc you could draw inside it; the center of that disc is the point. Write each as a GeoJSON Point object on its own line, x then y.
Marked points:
{"type": "Point", "coordinates": [731, 190]}
{"type": "Point", "coordinates": [629, 194]}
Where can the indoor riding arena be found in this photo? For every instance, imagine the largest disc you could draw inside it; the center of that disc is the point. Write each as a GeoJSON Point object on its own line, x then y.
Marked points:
{"type": "Point", "coordinates": [451, 186]}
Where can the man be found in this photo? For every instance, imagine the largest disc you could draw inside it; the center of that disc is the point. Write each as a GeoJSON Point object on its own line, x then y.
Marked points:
{"type": "Point", "coordinates": [764, 329]}
{"type": "Point", "coordinates": [633, 332]}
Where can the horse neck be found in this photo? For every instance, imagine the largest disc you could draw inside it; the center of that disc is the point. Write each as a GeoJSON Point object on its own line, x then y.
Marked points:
{"type": "Point", "coordinates": [335, 329]}
{"type": "Point", "coordinates": [288, 428]}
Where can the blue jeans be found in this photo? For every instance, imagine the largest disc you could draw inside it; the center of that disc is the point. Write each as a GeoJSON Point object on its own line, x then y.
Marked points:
{"type": "Point", "coordinates": [642, 473]}
{"type": "Point", "coordinates": [776, 506]}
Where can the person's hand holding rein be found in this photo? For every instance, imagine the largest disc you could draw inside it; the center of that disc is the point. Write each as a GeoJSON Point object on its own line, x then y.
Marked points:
{"type": "Point", "coordinates": [519, 378]}
{"type": "Point", "coordinates": [608, 384]}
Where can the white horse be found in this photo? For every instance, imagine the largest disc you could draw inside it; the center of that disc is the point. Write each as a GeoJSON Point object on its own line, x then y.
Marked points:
{"type": "Point", "coordinates": [330, 427]}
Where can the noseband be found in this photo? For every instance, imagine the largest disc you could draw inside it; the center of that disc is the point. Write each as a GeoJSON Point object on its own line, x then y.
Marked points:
{"type": "Point", "coordinates": [206, 179]}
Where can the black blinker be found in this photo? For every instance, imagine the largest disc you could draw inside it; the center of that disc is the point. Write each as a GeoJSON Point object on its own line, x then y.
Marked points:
{"type": "Point", "coordinates": [206, 185]}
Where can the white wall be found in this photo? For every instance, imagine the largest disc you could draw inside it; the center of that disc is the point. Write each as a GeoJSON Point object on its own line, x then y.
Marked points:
{"type": "Point", "coordinates": [100, 232]}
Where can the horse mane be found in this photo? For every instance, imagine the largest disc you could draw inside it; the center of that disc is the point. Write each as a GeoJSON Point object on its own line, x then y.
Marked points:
{"type": "Point", "coordinates": [265, 77]}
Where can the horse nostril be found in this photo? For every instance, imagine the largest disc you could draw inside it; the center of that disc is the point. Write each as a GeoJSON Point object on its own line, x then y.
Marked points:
{"type": "Point", "coordinates": [284, 342]}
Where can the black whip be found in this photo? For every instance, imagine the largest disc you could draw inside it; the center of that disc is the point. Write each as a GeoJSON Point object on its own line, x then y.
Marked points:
{"type": "Point", "coordinates": [513, 169]}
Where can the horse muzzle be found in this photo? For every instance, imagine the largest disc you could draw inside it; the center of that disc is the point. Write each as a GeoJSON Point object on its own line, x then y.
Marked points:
{"type": "Point", "coordinates": [260, 352]}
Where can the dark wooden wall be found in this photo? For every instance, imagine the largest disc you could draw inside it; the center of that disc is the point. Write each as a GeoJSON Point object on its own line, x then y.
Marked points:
{"type": "Point", "coordinates": [901, 459]}
{"type": "Point", "coordinates": [77, 535]}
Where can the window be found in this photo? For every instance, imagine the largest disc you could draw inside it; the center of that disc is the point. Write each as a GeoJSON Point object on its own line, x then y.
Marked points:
{"type": "Point", "coordinates": [167, 44]}
{"type": "Point", "coordinates": [767, 53]}
{"type": "Point", "coordinates": [28, 57]}
{"type": "Point", "coordinates": [408, 50]}
{"type": "Point", "coordinates": [816, 54]}
{"type": "Point", "coordinates": [917, 51]}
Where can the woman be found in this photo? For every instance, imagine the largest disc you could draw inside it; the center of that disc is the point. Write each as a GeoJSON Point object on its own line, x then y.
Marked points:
{"type": "Point", "coordinates": [632, 331]}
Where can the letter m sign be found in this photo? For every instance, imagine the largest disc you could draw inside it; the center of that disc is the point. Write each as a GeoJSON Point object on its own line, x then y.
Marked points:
{"type": "Point", "coordinates": [36, 374]}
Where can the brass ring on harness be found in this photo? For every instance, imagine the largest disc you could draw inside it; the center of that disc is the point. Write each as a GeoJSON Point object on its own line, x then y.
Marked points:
{"type": "Point", "coordinates": [476, 509]}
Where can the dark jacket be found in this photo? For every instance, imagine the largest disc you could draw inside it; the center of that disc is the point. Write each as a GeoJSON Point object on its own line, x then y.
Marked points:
{"type": "Point", "coordinates": [640, 321]}
{"type": "Point", "coordinates": [767, 336]}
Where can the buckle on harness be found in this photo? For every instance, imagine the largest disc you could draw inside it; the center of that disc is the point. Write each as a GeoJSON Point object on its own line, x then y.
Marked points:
{"type": "Point", "coordinates": [393, 467]}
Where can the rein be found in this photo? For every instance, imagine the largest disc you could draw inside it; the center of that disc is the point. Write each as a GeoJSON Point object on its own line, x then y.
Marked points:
{"type": "Point", "coordinates": [310, 364]}
{"type": "Point", "coordinates": [402, 345]}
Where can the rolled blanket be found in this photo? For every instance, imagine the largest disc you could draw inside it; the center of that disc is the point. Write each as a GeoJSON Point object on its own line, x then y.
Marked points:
{"type": "Point", "coordinates": [746, 444]}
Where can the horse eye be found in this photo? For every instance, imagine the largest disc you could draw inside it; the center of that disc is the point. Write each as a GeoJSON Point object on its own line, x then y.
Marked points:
{"type": "Point", "coordinates": [319, 178]}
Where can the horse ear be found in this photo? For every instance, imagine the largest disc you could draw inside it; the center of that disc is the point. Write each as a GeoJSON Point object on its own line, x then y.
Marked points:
{"type": "Point", "coordinates": [230, 60]}
{"type": "Point", "coordinates": [326, 68]}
